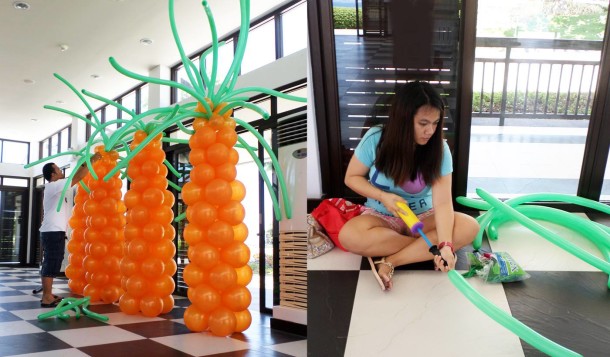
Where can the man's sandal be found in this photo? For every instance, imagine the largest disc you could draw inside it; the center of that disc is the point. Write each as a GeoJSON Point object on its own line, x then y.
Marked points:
{"type": "Point", "coordinates": [373, 264]}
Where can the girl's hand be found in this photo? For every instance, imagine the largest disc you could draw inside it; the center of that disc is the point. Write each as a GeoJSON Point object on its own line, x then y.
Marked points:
{"type": "Point", "coordinates": [389, 200]}
{"type": "Point", "coordinates": [448, 256]}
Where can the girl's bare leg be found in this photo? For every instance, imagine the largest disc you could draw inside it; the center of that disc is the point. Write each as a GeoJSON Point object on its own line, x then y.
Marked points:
{"type": "Point", "coordinates": [371, 236]}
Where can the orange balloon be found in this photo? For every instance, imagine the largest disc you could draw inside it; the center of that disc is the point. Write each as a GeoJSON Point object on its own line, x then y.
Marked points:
{"type": "Point", "coordinates": [137, 285]}
{"type": "Point", "coordinates": [98, 221]}
{"type": "Point", "coordinates": [76, 245]}
{"type": "Point", "coordinates": [132, 232]}
{"type": "Point", "coordinates": [133, 171]}
{"type": "Point", "coordinates": [243, 320]}
{"type": "Point", "coordinates": [150, 168]}
{"type": "Point", "coordinates": [193, 235]}
{"type": "Point", "coordinates": [202, 138]}
{"type": "Point", "coordinates": [111, 264]}
{"type": "Point", "coordinates": [204, 255]}
{"type": "Point", "coordinates": [91, 207]}
{"type": "Point", "coordinates": [238, 191]}
{"type": "Point", "coordinates": [129, 304]}
{"type": "Point", "coordinates": [205, 297]}
{"type": "Point", "coordinates": [92, 235]}
{"type": "Point", "coordinates": [220, 234]}
{"type": "Point", "coordinates": [77, 286]}
{"type": "Point", "coordinates": [202, 213]}
{"type": "Point", "coordinates": [237, 298]}
{"type": "Point", "coordinates": [168, 198]}
{"type": "Point", "coordinates": [153, 231]}
{"type": "Point", "coordinates": [163, 249]}
{"type": "Point", "coordinates": [193, 275]}
{"type": "Point", "coordinates": [92, 291]}
{"type": "Point", "coordinates": [99, 278]}
{"type": "Point", "coordinates": [197, 156]}
{"type": "Point", "coordinates": [233, 213]}
{"type": "Point", "coordinates": [75, 260]}
{"type": "Point", "coordinates": [140, 184]}
{"type": "Point", "coordinates": [152, 197]}
{"type": "Point", "coordinates": [151, 306]}
{"type": "Point", "coordinates": [162, 214]}
{"type": "Point", "coordinates": [244, 275]}
{"type": "Point", "coordinates": [237, 254]}
{"type": "Point", "coordinates": [91, 264]}
{"type": "Point", "coordinates": [109, 205]}
{"type": "Point", "coordinates": [227, 136]}
{"type": "Point", "coordinates": [195, 319]}
{"type": "Point", "coordinates": [168, 304]}
{"type": "Point", "coordinates": [110, 293]}
{"type": "Point", "coordinates": [137, 249]}
{"type": "Point", "coordinates": [163, 285]}
{"type": "Point", "coordinates": [233, 156]}
{"type": "Point", "coordinates": [191, 193]}
{"type": "Point", "coordinates": [202, 173]}
{"type": "Point", "coordinates": [110, 235]}
{"type": "Point", "coordinates": [128, 266]}
{"type": "Point", "coordinates": [222, 276]}
{"type": "Point", "coordinates": [99, 194]}
{"type": "Point", "coordinates": [75, 272]}
{"type": "Point", "coordinates": [222, 322]}
{"type": "Point", "coordinates": [140, 215]}
{"type": "Point", "coordinates": [170, 267]}
{"type": "Point", "coordinates": [226, 171]}
{"type": "Point", "coordinates": [240, 232]}
{"type": "Point", "coordinates": [217, 154]}
{"type": "Point", "coordinates": [152, 267]}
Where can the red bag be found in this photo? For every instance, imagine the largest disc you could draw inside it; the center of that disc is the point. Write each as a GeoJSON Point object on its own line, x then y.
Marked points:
{"type": "Point", "coordinates": [332, 213]}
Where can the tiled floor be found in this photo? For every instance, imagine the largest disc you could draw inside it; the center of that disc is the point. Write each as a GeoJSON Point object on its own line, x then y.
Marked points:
{"type": "Point", "coordinates": [22, 333]}
{"type": "Point", "coordinates": [565, 300]}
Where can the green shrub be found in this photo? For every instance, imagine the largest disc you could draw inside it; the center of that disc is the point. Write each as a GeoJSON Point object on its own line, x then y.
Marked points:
{"type": "Point", "coordinates": [344, 17]}
{"type": "Point", "coordinates": [540, 103]}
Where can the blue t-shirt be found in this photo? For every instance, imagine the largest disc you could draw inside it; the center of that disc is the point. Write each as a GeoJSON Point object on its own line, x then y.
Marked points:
{"type": "Point", "coordinates": [417, 193]}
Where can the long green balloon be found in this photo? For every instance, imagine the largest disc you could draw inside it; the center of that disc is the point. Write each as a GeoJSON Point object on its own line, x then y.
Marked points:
{"type": "Point", "coordinates": [545, 233]}
{"type": "Point", "coordinates": [528, 335]}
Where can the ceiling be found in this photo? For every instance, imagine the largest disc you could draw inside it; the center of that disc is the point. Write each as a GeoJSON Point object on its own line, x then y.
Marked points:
{"type": "Point", "coordinates": [93, 30]}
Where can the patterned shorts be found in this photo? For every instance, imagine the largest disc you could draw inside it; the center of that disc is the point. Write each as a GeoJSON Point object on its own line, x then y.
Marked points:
{"type": "Point", "coordinates": [395, 223]}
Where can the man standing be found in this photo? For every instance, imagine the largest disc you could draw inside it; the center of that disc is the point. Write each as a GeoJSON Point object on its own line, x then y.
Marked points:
{"type": "Point", "coordinates": [54, 226]}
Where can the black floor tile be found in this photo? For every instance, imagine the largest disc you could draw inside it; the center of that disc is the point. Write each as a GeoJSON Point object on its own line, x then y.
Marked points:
{"type": "Point", "coordinates": [146, 348]}
{"type": "Point", "coordinates": [30, 343]}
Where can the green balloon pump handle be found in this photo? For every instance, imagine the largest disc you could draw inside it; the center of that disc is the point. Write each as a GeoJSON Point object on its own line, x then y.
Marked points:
{"type": "Point", "coordinates": [415, 225]}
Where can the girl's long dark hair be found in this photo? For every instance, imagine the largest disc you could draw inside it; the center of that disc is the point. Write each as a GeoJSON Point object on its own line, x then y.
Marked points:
{"type": "Point", "coordinates": [398, 156]}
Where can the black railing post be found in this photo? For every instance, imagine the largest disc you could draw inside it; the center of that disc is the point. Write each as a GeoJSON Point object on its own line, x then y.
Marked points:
{"type": "Point", "coordinates": [505, 86]}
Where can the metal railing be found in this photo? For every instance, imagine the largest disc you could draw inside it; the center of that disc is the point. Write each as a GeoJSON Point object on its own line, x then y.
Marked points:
{"type": "Point", "coordinates": [534, 78]}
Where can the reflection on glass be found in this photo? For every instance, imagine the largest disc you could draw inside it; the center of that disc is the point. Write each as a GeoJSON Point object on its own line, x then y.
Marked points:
{"type": "Point", "coordinates": [14, 152]}
{"type": "Point", "coordinates": [260, 49]}
{"type": "Point", "coordinates": [536, 68]}
{"type": "Point", "coordinates": [605, 196]}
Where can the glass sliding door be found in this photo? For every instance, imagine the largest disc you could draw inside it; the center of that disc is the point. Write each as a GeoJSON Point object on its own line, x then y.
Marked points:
{"type": "Point", "coordinates": [535, 79]}
{"type": "Point", "coordinates": [13, 232]}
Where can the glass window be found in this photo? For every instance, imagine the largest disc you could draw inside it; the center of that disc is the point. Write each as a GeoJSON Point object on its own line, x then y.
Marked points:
{"type": "Point", "coordinates": [225, 58]}
{"type": "Point", "coordinates": [260, 49]}
{"type": "Point", "coordinates": [294, 29]}
{"type": "Point", "coordinates": [55, 144]}
{"type": "Point", "coordinates": [144, 98]}
{"type": "Point", "coordinates": [39, 181]}
{"type": "Point", "coordinates": [18, 182]}
{"type": "Point", "coordinates": [129, 102]}
{"type": "Point", "coordinates": [605, 195]}
{"type": "Point", "coordinates": [179, 134]}
{"type": "Point", "coordinates": [182, 78]}
{"type": "Point", "coordinates": [284, 105]}
{"type": "Point", "coordinates": [45, 148]}
{"type": "Point", "coordinates": [110, 114]}
{"type": "Point", "coordinates": [65, 139]}
{"type": "Point", "coordinates": [249, 115]}
{"type": "Point", "coordinates": [14, 152]}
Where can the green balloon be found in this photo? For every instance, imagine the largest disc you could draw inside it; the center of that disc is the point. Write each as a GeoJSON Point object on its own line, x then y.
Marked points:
{"type": "Point", "coordinates": [528, 335]}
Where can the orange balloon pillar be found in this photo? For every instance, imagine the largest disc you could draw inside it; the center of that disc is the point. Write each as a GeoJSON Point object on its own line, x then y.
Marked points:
{"type": "Point", "coordinates": [148, 266]}
{"type": "Point", "coordinates": [76, 245]}
{"type": "Point", "coordinates": [104, 234]}
{"type": "Point", "coordinates": [217, 273]}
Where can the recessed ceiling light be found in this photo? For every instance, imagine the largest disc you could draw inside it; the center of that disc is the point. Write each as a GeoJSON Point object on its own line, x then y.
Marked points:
{"type": "Point", "coordinates": [29, 81]}
{"type": "Point", "coordinates": [20, 5]}
{"type": "Point", "coordinates": [33, 119]}
{"type": "Point", "coordinates": [146, 41]}
{"type": "Point", "coordinates": [95, 76]}
{"type": "Point", "coordinates": [59, 101]}
{"type": "Point", "coordinates": [63, 47]}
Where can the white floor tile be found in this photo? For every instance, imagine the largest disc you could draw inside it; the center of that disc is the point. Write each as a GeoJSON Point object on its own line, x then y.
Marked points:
{"type": "Point", "coordinates": [95, 336]}
{"type": "Point", "coordinates": [336, 259]}
{"type": "Point", "coordinates": [296, 349]}
{"type": "Point", "coordinates": [202, 343]}
{"type": "Point", "coordinates": [17, 283]}
{"type": "Point", "coordinates": [536, 253]}
{"type": "Point", "coordinates": [4, 288]}
{"type": "Point", "coordinates": [31, 314]}
{"type": "Point", "coordinates": [119, 318]}
{"type": "Point", "coordinates": [424, 315]}
{"type": "Point", "coordinates": [72, 352]}
{"type": "Point", "coordinates": [17, 328]}
{"type": "Point", "coordinates": [18, 298]}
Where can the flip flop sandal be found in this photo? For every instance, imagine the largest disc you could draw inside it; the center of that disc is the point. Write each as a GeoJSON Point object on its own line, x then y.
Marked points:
{"type": "Point", "coordinates": [54, 303]}
{"type": "Point", "coordinates": [376, 273]}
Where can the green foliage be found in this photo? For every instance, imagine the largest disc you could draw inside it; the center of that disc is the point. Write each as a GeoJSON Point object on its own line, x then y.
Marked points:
{"type": "Point", "coordinates": [578, 27]}
{"type": "Point", "coordinates": [535, 104]}
{"type": "Point", "coordinates": [344, 18]}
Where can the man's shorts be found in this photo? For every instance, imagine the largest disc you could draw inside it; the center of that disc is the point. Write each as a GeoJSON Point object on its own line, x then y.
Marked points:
{"type": "Point", "coordinates": [53, 245]}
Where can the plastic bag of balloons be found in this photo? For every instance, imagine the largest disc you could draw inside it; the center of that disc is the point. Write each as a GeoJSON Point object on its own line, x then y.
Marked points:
{"type": "Point", "coordinates": [497, 267]}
